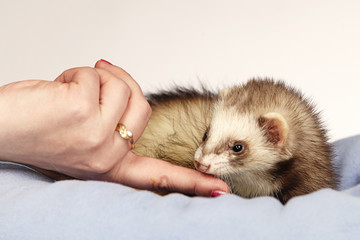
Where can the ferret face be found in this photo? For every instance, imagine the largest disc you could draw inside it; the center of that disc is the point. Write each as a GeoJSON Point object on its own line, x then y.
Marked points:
{"type": "Point", "coordinates": [237, 143]}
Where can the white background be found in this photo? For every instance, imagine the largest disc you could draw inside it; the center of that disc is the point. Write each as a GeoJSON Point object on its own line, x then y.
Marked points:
{"type": "Point", "coordinates": [312, 45]}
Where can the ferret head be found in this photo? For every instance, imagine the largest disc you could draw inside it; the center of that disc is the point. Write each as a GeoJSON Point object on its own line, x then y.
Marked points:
{"type": "Point", "coordinates": [241, 141]}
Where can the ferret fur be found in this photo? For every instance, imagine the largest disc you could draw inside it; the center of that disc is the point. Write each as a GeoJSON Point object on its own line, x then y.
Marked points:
{"type": "Point", "coordinates": [285, 151]}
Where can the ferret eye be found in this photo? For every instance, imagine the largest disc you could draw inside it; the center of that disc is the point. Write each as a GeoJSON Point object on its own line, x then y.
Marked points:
{"type": "Point", "coordinates": [205, 136]}
{"type": "Point", "coordinates": [238, 148]}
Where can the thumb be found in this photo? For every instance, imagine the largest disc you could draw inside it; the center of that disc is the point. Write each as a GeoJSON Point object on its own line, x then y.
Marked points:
{"type": "Point", "coordinates": [154, 174]}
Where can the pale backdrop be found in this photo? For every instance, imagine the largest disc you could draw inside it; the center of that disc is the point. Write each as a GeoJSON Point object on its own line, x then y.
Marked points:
{"type": "Point", "coordinates": [313, 45]}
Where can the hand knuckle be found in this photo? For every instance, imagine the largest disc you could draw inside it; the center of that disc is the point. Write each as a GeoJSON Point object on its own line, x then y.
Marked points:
{"type": "Point", "coordinates": [81, 111]}
{"type": "Point", "coordinates": [163, 184]}
{"type": "Point", "coordinates": [145, 108]}
{"type": "Point", "coordinates": [86, 73]}
{"type": "Point", "coordinates": [96, 139]}
{"type": "Point", "coordinates": [123, 89]}
{"type": "Point", "coordinates": [98, 167]}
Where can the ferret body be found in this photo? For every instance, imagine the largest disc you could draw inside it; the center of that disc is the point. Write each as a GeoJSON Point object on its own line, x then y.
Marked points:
{"type": "Point", "coordinates": [262, 138]}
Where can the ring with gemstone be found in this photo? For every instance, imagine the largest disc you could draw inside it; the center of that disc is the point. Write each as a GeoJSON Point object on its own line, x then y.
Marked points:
{"type": "Point", "coordinates": [126, 134]}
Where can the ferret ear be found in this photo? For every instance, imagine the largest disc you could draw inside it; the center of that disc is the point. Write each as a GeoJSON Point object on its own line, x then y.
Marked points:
{"type": "Point", "coordinates": [276, 128]}
{"type": "Point", "coordinates": [223, 92]}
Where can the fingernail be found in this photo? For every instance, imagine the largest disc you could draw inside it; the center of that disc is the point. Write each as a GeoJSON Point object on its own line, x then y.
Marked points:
{"type": "Point", "coordinates": [217, 193]}
{"type": "Point", "coordinates": [105, 61]}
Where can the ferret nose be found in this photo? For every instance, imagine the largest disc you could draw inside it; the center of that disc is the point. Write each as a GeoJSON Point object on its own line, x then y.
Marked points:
{"type": "Point", "coordinates": [201, 167]}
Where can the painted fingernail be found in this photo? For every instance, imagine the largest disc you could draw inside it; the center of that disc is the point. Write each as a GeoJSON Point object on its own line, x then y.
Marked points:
{"type": "Point", "coordinates": [105, 61]}
{"type": "Point", "coordinates": [217, 193]}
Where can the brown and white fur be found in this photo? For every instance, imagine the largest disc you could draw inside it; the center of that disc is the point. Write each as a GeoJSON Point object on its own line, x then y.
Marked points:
{"type": "Point", "coordinates": [263, 138]}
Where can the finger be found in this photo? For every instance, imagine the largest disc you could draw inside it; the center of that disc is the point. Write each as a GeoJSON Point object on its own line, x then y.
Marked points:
{"type": "Point", "coordinates": [85, 77]}
{"type": "Point", "coordinates": [122, 74]}
{"type": "Point", "coordinates": [104, 89]}
{"type": "Point", "coordinates": [154, 174]}
{"type": "Point", "coordinates": [114, 97]}
{"type": "Point", "coordinates": [138, 110]}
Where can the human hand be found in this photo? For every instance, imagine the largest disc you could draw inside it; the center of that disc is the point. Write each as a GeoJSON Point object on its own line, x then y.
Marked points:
{"type": "Point", "coordinates": [69, 126]}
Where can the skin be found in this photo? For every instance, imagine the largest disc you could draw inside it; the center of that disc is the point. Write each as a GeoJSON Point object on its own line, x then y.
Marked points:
{"type": "Point", "coordinates": [68, 125]}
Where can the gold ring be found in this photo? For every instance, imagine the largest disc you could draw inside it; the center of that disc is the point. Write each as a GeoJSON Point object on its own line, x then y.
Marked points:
{"type": "Point", "coordinates": [126, 134]}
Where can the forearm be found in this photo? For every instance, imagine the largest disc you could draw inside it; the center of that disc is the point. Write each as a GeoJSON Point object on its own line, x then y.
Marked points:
{"type": "Point", "coordinates": [15, 121]}
{"type": "Point", "coordinates": [30, 121]}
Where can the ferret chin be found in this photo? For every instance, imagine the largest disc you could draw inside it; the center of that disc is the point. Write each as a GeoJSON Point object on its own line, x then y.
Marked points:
{"type": "Point", "coordinates": [262, 138]}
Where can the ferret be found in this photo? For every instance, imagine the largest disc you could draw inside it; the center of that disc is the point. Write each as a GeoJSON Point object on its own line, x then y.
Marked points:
{"type": "Point", "coordinates": [263, 138]}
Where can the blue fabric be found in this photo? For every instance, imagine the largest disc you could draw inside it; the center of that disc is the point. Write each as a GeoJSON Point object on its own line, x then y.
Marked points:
{"type": "Point", "coordinates": [33, 207]}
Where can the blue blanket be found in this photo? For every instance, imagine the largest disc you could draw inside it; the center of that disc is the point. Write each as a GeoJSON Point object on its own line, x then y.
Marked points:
{"type": "Point", "coordinates": [34, 207]}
